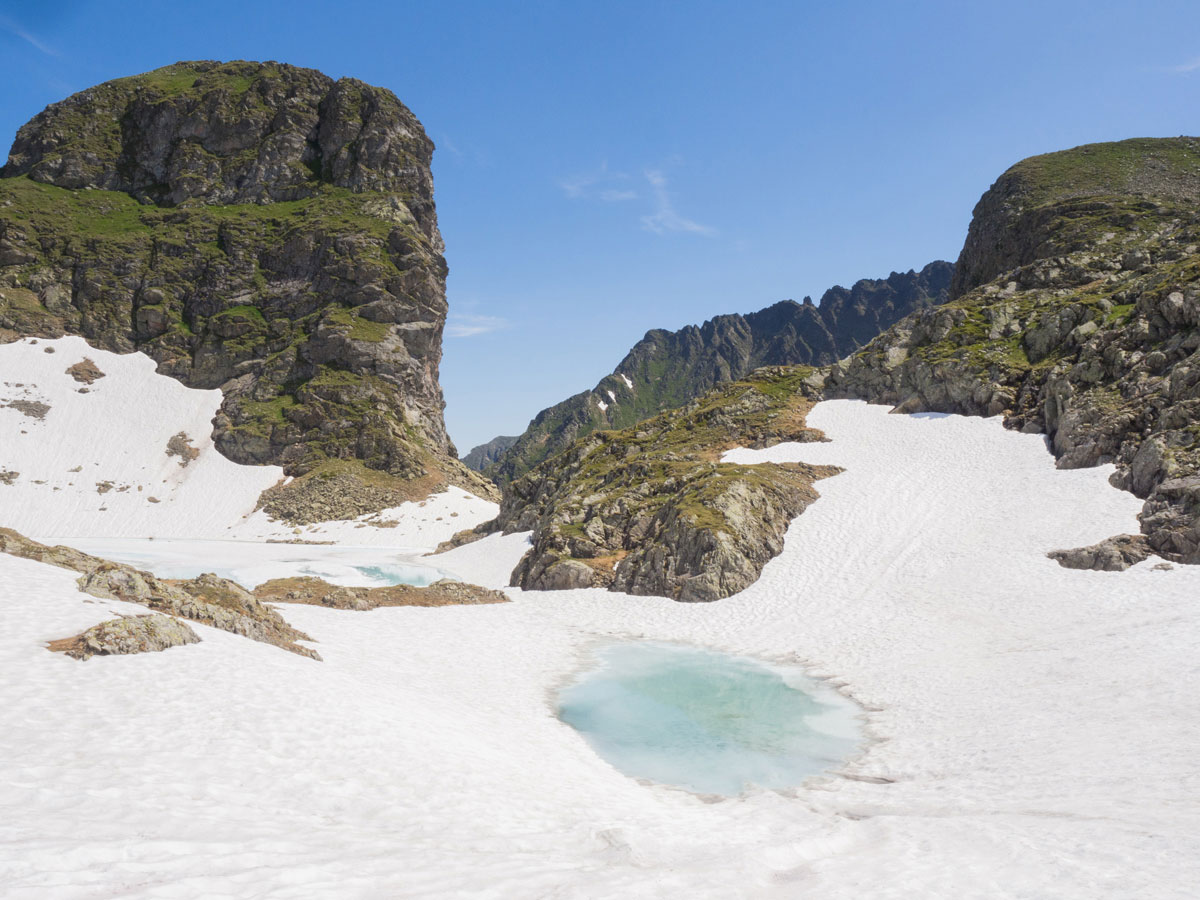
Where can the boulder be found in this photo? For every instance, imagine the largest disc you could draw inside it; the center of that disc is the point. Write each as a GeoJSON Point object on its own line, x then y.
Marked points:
{"type": "Point", "coordinates": [134, 634]}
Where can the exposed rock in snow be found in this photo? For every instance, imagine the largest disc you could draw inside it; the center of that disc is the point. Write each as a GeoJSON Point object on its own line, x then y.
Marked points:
{"type": "Point", "coordinates": [321, 593]}
{"type": "Point", "coordinates": [1114, 554]}
{"type": "Point", "coordinates": [218, 602]}
{"type": "Point", "coordinates": [85, 371]}
{"type": "Point", "coordinates": [119, 637]}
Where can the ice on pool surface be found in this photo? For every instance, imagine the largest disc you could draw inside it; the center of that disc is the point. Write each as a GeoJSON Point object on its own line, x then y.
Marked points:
{"type": "Point", "coordinates": [707, 721]}
{"type": "Point", "coordinates": [250, 564]}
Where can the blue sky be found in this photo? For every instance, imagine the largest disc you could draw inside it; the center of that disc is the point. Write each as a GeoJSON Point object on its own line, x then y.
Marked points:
{"type": "Point", "coordinates": [608, 167]}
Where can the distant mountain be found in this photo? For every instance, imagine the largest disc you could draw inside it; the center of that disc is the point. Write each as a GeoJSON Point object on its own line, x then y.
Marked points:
{"type": "Point", "coordinates": [485, 454]}
{"type": "Point", "coordinates": [666, 369]}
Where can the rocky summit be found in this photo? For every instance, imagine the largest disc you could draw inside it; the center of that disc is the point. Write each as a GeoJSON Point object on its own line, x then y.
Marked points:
{"type": "Point", "coordinates": [254, 227]}
{"type": "Point", "coordinates": [667, 369]}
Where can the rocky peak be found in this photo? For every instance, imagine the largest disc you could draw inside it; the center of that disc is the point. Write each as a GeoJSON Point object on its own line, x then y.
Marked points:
{"type": "Point", "coordinates": [257, 227]}
{"type": "Point", "coordinates": [226, 133]}
{"type": "Point", "coordinates": [1045, 206]}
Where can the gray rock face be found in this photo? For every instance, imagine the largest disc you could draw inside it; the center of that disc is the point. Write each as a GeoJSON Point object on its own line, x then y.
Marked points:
{"type": "Point", "coordinates": [1114, 554]}
{"type": "Point", "coordinates": [138, 634]}
{"type": "Point", "coordinates": [667, 369]}
{"type": "Point", "coordinates": [1014, 223]}
{"type": "Point", "coordinates": [230, 133]}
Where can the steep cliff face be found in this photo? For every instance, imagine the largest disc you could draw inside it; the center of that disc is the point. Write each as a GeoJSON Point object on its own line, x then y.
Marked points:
{"type": "Point", "coordinates": [255, 227]}
{"type": "Point", "coordinates": [1077, 314]}
{"type": "Point", "coordinates": [667, 369]}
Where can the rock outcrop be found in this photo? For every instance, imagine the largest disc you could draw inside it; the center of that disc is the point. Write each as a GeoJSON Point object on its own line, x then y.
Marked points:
{"type": "Point", "coordinates": [653, 510]}
{"type": "Point", "coordinates": [134, 634]}
{"type": "Point", "coordinates": [667, 369]}
{"type": "Point", "coordinates": [1076, 313]}
{"type": "Point", "coordinates": [208, 599]}
{"type": "Point", "coordinates": [317, 592]}
{"type": "Point", "coordinates": [1114, 554]}
{"type": "Point", "coordinates": [254, 227]}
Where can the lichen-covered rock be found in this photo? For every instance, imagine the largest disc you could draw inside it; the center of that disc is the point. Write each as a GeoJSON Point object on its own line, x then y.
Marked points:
{"type": "Point", "coordinates": [134, 634]}
{"type": "Point", "coordinates": [1114, 554]}
{"type": "Point", "coordinates": [1171, 519]}
{"type": "Point", "coordinates": [254, 227]}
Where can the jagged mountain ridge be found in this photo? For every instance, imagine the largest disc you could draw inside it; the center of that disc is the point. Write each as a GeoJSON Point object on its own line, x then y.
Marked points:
{"type": "Point", "coordinates": [667, 369]}
{"type": "Point", "coordinates": [256, 227]}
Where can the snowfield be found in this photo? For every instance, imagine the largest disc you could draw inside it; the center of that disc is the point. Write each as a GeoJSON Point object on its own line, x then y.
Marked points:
{"type": "Point", "coordinates": [1033, 730]}
{"type": "Point", "coordinates": [95, 463]}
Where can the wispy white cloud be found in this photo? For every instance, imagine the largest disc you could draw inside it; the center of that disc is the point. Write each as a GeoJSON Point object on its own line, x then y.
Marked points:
{"type": "Point", "coordinates": [465, 325]}
{"type": "Point", "coordinates": [16, 30]}
{"type": "Point", "coordinates": [665, 217]}
{"type": "Point", "coordinates": [1190, 66]}
{"type": "Point", "coordinates": [601, 184]}
{"type": "Point", "coordinates": [576, 186]}
{"type": "Point", "coordinates": [604, 186]}
{"type": "Point", "coordinates": [444, 143]}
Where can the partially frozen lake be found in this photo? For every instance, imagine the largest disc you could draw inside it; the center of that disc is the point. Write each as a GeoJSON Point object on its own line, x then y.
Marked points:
{"type": "Point", "coordinates": [251, 563]}
{"type": "Point", "coordinates": [708, 721]}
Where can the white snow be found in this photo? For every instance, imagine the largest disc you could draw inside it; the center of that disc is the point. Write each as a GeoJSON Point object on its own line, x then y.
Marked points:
{"type": "Point", "coordinates": [603, 406]}
{"type": "Point", "coordinates": [628, 383]}
{"type": "Point", "coordinates": [113, 438]}
{"type": "Point", "coordinates": [611, 396]}
{"type": "Point", "coordinates": [91, 465]}
{"type": "Point", "coordinates": [1034, 728]}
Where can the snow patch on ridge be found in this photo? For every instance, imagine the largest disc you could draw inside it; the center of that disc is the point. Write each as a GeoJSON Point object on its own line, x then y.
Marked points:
{"type": "Point", "coordinates": [97, 462]}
